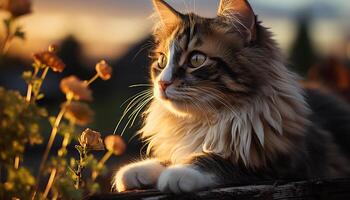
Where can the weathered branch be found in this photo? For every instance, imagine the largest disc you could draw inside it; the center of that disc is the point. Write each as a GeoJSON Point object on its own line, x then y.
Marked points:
{"type": "Point", "coordinates": [336, 189]}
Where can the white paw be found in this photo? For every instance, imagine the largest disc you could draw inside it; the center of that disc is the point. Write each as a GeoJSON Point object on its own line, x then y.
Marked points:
{"type": "Point", "coordinates": [184, 179]}
{"type": "Point", "coordinates": [137, 175]}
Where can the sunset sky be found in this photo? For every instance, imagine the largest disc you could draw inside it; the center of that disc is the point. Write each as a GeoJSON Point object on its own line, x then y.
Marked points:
{"type": "Point", "coordinates": [106, 28]}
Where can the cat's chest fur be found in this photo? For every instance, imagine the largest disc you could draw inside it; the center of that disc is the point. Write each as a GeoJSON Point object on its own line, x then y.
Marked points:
{"type": "Point", "coordinates": [234, 136]}
{"type": "Point", "coordinates": [173, 138]}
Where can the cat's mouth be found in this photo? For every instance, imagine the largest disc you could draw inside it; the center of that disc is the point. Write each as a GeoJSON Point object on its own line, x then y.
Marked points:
{"type": "Point", "coordinates": [164, 94]}
{"type": "Point", "coordinates": [183, 104]}
{"type": "Point", "coordinates": [173, 100]}
{"type": "Point", "coordinates": [169, 96]}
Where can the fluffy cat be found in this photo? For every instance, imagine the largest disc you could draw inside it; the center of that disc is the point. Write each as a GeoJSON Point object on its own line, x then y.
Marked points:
{"type": "Point", "coordinates": [226, 109]}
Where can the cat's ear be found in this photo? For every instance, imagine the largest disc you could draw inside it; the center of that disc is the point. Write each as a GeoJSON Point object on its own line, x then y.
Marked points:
{"type": "Point", "coordinates": [168, 15]}
{"type": "Point", "coordinates": [242, 12]}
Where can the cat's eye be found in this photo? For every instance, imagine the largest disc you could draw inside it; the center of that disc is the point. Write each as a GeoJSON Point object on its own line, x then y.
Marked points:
{"type": "Point", "coordinates": [197, 60]}
{"type": "Point", "coordinates": [162, 61]}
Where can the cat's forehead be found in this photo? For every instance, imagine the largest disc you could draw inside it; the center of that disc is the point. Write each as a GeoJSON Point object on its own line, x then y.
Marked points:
{"type": "Point", "coordinates": [188, 28]}
{"type": "Point", "coordinates": [196, 33]}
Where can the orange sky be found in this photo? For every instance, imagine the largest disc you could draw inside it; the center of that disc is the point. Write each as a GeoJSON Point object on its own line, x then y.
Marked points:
{"type": "Point", "coordinates": [107, 27]}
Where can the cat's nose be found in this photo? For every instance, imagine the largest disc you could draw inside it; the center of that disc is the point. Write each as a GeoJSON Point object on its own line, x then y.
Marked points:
{"type": "Point", "coordinates": [164, 84]}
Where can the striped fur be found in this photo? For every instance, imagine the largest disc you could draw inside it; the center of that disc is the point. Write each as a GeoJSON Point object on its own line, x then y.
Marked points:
{"type": "Point", "coordinates": [239, 116]}
{"type": "Point", "coordinates": [243, 105]}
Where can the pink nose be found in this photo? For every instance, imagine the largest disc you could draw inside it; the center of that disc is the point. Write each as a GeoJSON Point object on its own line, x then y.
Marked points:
{"type": "Point", "coordinates": [164, 84]}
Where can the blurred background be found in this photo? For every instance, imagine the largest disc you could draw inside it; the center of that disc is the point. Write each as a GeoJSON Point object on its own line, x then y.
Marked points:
{"type": "Point", "coordinates": [313, 34]}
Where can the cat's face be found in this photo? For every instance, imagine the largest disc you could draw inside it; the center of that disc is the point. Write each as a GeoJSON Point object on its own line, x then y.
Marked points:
{"type": "Point", "coordinates": [196, 65]}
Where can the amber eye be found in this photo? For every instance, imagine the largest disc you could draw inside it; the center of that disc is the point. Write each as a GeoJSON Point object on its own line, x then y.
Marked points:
{"type": "Point", "coordinates": [162, 61]}
{"type": "Point", "coordinates": [198, 59]}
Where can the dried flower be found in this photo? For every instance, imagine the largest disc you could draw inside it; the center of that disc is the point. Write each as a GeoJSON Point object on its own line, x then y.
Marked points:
{"type": "Point", "coordinates": [16, 7]}
{"type": "Point", "coordinates": [103, 70]}
{"type": "Point", "coordinates": [76, 88]}
{"type": "Point", "coordinates": [49, 58]}
{"type": "Point", "coordinates": [115, 144]}
{"type": "Point", "coordinates": [79, 112]}
{"type": "Point", "coordinates": [91, 140]}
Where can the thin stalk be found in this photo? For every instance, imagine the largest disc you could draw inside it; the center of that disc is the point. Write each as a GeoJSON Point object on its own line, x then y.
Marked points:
{"type": "Point", "coordinates": [49, 183]}
{"type": "Point", "coordinates": [79, 172]}
{"type": "Point", "coordinates": [16, 163]}
{"type": "Point", "coordinates": [6, 45]}
{"type": "Point", "coordinates": [30, 85]}
{"type": "Point", "coordinates": [60, 153]}
{"type": "Point", "coordinates": [8, 37]}
{"type": "Point", "coordinates": [29, 92]}
{"type": "Point", "coordinates": [95, 173]}
{"type": "Point", "coordinates": [42, 78]}
{"type": "Point", "coordinates": [55, 196]}
{"type": "Point", "coordinates": [94, 78]}
{"type": "Point", "coordinates": [52, 137]}
{"type": "Point", "coordinates": [65, 141]}
{"type": "Point", "coordinates": [49, 146]}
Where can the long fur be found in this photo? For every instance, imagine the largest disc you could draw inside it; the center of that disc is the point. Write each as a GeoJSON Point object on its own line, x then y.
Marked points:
{"type": "Point", "coordinates": [241, 115]}
{"type": "Point", "coordinates": [263, 125]}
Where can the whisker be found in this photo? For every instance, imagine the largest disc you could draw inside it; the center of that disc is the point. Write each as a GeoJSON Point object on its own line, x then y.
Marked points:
{"type": "Point", "coordinates": [133, 101]}
{"type": "Point", "coordinates": [140, 85]}
{"type": "Point", "coordinates": [186, 6]}
{"type": "Point", "coordinates": [143, 156]}
{"type": "Point", "coordinates": [138, 109]}
{"type": "Point", "coordinates": [140, 105]}
{"type": "Point", "coordinates": [134, 96]}
{"type": "Point", "coordinates": [194, 6]}
{"type": "Point", "coordinates": [136, 102]}
{"type": "Point", "coordinates": [144, 47]}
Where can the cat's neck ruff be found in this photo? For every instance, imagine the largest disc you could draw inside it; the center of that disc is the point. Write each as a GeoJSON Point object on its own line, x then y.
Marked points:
{"type": "Point", "coordinates": [252, 134]}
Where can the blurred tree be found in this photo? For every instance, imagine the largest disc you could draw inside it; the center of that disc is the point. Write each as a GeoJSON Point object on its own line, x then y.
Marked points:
{"type": "Point", "coordinates": [302, 53]}
{"type": "Point", "coordinates": [70, 51]}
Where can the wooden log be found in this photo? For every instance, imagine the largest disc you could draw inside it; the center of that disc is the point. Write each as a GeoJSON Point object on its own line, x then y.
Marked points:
{"type": "Point", "coordinates": [336, 189]}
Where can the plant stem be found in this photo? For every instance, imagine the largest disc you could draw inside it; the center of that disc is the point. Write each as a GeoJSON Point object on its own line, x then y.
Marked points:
{"type": "Point", "coordinates": [49, 145]}
{"type": "Point", "coordinates": [52, 137]}
{"type": "Point", "coordinates": [95, 173]}
{"type": "Point", "coordinates": [65, 142]}
{"type": "Point", "coordinates": [8, 37]}
{"type": "Point", "coordinates": [80, 168]}
{"type": "Point", "coordinates": [61, 153]}
{"type": "Point", "coordinates": [43, 75]}
{"type": "Point", "coordinates": [16, 163]}
{"type": "Point", "coordinates": [30, 85]}
{"type": "Point", "coordinates": [6, 45]}
{"type": "Point", "coordinates": [92, 79]}
{"type": "Point", "coordinates": [55, 196]}
{"type": "Point", "coordinates": [29, 93]}
{"type": "Point", "coordinates": [49, 183]}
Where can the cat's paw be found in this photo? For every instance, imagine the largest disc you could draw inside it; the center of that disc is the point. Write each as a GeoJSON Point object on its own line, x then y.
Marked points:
{"type": "Point", "coordinates": [184, 179]}
{"type": "Point", "coordinates": [137, 175]}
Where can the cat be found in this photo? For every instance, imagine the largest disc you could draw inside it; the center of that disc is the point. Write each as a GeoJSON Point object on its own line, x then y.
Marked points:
{"type": "Point", "coordinates": [227, 110]}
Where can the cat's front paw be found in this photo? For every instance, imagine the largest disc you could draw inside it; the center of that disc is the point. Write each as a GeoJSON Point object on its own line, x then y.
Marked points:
{"type": "Point", "coordinates": [184, 179]}
{"type": "Point", "coordinates": [137, 175]}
